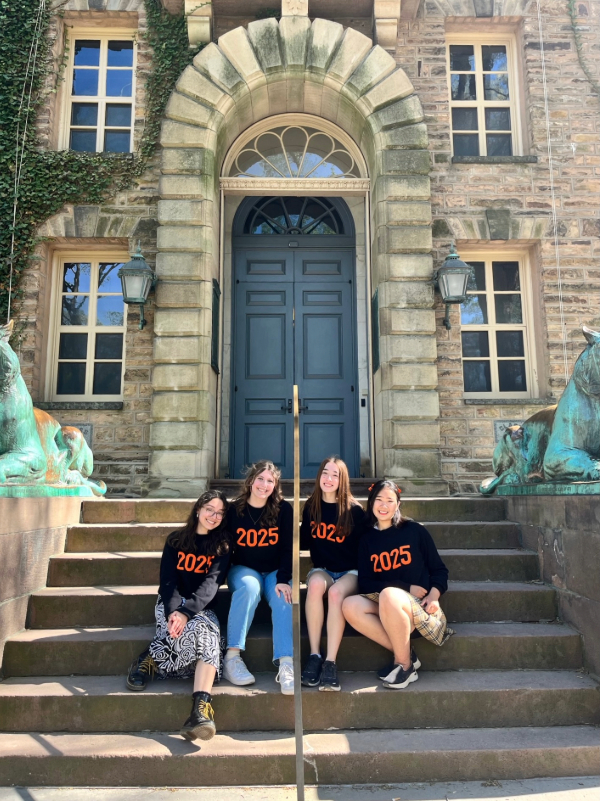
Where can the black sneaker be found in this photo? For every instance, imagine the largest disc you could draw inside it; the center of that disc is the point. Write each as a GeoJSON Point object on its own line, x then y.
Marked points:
{"type": "Point", "coordinates": [201, 723]}
{"type": "Point", "coordinates": [329, 679]}
{"type": "Point", "coordinates": [142, 670]}
{"type": "Point", "coordinates": [312, 670]}
{"type": "Point", "coordinates": [387, 669]}
{"type": "Point", "coordinates": [399, 678]}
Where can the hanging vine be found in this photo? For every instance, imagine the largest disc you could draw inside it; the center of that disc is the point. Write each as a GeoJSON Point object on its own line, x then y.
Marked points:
{"type": "Point", "coordinates": [572, 6]}
{"type": "Point", "coordinates": [35, 183]}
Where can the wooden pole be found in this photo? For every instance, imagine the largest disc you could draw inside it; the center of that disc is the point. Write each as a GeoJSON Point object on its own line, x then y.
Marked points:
{"type": "Point", "coordinates": [296, 607]}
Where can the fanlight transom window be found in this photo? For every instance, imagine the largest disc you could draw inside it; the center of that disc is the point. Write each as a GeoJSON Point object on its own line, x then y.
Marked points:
{"type": "Point", "coordinates": [295, 216]}
{"type": "Point", "coordinates": [295, 151]}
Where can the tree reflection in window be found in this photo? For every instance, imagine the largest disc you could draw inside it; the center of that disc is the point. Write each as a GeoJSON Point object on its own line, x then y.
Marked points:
{"type": "Point", "coordinates": [295, 216]}
{"type": "Point", "coordinates": [295, 151]}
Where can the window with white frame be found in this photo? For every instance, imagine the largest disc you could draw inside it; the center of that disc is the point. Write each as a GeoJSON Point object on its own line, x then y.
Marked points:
{"type": "Point", "coordinates": [100, 85]}
{"type": "Point", "coordinates": [483, 96]}
{"type": "Point", "coordinates": [90, 331]}
{"type": "Point", "coordinates": [497, 345]}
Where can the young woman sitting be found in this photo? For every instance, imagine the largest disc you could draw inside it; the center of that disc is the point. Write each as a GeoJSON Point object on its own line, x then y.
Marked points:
{"type": "Point", "coordinates": [329, 530]}
{"type": "Point", "coordinates": [188, 639]}
{"type": "Point", "coordinates": [401, 577]}
{"type": "Point", "coordinates": [260, 522]}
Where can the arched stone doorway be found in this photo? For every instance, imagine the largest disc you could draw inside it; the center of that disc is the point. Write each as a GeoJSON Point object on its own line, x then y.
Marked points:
{"type": "Point", "coordinates": [271, 68]}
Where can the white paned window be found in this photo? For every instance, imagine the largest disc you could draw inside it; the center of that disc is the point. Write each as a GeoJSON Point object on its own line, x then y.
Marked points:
{"type": "Point", "coordinates": [90, 331]}
{"type": "Point", "coordinates": [101, 91]}
{"type": "Point", "coordinates": [483, 97]}
{"type": "Point", "coordinates": [496, 330]}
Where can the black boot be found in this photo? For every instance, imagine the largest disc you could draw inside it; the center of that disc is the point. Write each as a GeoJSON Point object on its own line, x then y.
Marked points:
{"type": "Point", "coordinates": [201, 722]}
{"type": "Point", "coordinates": [142, 670]}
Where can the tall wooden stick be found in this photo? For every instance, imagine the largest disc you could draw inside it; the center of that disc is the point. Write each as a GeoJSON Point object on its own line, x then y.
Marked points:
{"type": "Point", "coordinates": [296, 607]}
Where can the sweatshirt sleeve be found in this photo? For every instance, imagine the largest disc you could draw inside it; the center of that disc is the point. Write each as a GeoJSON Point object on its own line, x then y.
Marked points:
{"type": "Point", "coordinates": [167, 590]}
{"type": "Point", "coordinates": [286, 522]}
{"type": "Point", "coordinates": [438, 572]}
{"type": "Point", "coordinates": [305, 529]}
{"type": "Point", "coordinates": [208, 588]}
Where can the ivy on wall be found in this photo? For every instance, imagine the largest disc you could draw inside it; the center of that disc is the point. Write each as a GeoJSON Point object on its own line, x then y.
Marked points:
{"type": "Point", "coordinates": [35, 183]}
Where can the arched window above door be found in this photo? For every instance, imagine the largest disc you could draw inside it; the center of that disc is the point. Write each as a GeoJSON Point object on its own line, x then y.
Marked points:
{"type": "Point", "coordinates": [295, 216]}
{"type": "Point", "coordinates": [294, 151]}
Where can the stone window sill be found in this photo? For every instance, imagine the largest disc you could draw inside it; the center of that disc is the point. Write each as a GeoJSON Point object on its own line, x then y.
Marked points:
{"type": "Point", "coordinates": [509, 401]}
{"type": "Point", "coordinates": [494, 159]}
{"type": "Point", "coordinates": [49, 406]}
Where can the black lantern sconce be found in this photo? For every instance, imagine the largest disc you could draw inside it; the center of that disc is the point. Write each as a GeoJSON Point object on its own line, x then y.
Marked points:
{"type": "Point", "coordinates": [137, 279]}
{"type": "Point", "coordinates": [452, 280]}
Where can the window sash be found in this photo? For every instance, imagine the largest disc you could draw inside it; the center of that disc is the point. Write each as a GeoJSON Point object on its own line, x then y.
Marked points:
{"type": "Point", "coordinates": [492, 327]}
{"type": "Point", "coordinates": [91, 329]}
{"type": "Point", "coordinates": [480, 103]}
{"type": "Point", "coordinates": [101, 99]}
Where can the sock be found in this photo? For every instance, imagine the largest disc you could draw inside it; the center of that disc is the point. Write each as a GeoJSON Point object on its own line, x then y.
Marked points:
{"type": "Point", "coordinates": [231, 653]}
{"type": "Point", "coordinates": [202, 696]}
{"type": "Point", "coordinates": [315, 654]}
{"type": "Point", "coordinates": [284, 659]}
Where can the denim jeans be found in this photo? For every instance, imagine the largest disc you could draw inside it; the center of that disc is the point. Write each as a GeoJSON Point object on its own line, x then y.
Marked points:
{"type": "Point", "coordinates": [247, 586]}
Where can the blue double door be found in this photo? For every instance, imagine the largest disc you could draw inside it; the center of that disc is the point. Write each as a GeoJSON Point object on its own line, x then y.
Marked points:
{"type": "Point", "coordinates": [294, 323]}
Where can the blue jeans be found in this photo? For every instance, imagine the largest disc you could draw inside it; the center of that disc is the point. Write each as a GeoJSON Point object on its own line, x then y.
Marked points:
{"type": "Point", "coordinates": [247, 586]}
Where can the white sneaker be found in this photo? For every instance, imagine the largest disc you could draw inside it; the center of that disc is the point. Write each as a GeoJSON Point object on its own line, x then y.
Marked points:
{"type": "Point", "coordinates": [236, 672]}
{"type": "Point", "coordinates": [285, 678]}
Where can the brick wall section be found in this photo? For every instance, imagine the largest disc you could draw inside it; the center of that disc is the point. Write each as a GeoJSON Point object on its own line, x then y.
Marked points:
{"type": "Point", "coordinates": [461, 193]}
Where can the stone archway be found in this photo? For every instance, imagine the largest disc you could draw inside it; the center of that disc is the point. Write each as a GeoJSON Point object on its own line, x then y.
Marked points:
{"type": "Point", "coordinates": [267, 69]}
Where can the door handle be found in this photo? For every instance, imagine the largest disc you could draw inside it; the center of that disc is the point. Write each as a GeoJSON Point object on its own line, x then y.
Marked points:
{"type": "Point", "coordinates": [301, 408]}
{"type": "Point", "coordinates": [288, 408]}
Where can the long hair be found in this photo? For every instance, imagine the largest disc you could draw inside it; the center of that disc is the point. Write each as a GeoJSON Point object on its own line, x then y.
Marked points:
{"type": "Point", "coordinates": [274, 499]}
{"type": "Point", "coordinates": [384, 483]}
{"type": "Point", "coordinates": [216, 542]}
{"type": "Point", "coordinates": [345, 499]}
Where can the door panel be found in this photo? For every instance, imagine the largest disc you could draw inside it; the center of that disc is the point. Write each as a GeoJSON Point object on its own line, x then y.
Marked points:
{"type": "Point", "coordinates": [294, 323]}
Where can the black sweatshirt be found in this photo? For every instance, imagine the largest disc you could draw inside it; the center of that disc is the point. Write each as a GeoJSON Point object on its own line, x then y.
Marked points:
{"type": "Point", "coordinates": [399, 557]}
{"type": "Point", "coordinates": [327, 548]}
{"type": "Point", "coordinates": [189, 579]}
{"type": "Point", "coordinates": [259, 547]}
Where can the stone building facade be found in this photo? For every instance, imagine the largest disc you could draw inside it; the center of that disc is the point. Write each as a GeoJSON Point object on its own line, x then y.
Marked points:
{"type": "Point", "coordinates": [428, 403]}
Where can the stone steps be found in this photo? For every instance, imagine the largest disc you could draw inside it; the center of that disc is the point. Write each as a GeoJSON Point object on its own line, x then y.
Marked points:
{"type": "Point", "coordinates": [103, 510]}
{"type": "Point", "coordinates": [438, 700]}
{"type": "Point", "coordinates": [342, 757]}
{"type": "Point", "coordinates": [88, 538]}
{"type": "Point", "coordinates": [133, 605]}
{"type": "Point", "coordinates": [142, 567]}
{"type": "Point", "coordinates": [476, 646]}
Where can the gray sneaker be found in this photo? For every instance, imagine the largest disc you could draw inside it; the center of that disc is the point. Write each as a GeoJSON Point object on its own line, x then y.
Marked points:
{"type": "Point", "coordinates": [236, 672]}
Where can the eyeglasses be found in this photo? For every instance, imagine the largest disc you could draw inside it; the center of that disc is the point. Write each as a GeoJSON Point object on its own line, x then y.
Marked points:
{"type": "Point", "coordinates": [213, 513]}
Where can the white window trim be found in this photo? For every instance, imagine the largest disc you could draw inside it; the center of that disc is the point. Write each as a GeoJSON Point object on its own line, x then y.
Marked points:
{"type": "Point", "coordinates": [510, 41]}
{"type": "Point", "coordinates": [58, 259]}
{"type": "Point", "coordinates": [103, 34]}
{"type": "Point", "coordinates": [531, 364]}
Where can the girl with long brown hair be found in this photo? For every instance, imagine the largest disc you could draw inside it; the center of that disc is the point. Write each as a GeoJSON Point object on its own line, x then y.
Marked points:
{"type": "Point", "coordinates": [401, 577]}
{"type": "Point", "coordinates": [261, 525]}
{"type": "Point", "coordinates": [330, 531]}
{"type": "Point", "coordinates": [188, 639]}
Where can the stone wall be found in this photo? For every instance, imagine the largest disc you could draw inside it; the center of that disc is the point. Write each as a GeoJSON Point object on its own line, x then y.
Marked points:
{"type": "Point", "coordinates": [31, 531]}
{"type": "Point", "coordinates": [461, 197]}
{"type": "Point", "coordinates": [565, 532]}
{"type": "Point", "coordinates": [461, 194]}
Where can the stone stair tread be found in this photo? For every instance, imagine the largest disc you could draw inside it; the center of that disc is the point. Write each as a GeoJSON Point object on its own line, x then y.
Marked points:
{"type": "Point", "coordinates": [508, 629]}
{"type": "Point", "coordinates": [352, 682]}
{"type": "Point", "coordinates": [151, 589]}
{"type": "Point", "coordinates": [344, 756]}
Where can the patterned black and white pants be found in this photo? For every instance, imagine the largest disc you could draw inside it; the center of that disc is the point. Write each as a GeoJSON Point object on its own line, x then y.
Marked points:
{"type": "Point", "coordinates": [176, 657]}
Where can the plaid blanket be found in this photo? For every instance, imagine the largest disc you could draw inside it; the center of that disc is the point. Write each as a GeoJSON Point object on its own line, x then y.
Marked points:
{"type": "Point", "coordinates": [434, 627]}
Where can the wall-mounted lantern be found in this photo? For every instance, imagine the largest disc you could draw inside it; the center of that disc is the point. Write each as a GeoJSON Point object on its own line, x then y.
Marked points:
{"type": "Point", "coordinates": [452, 279]}
{"type": "Point", "coordinates": [137, 279]}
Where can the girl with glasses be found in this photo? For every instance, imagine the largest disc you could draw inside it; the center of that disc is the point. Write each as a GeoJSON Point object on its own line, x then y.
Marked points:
{"type": "Point", "coordinates": [329, 530]}
{"type": "Point", "coordinates": [260, 522]}
{"type": "Point", "coordinates": [188, 640]}
{"type": "Point", "coordinates": [401, 578]}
